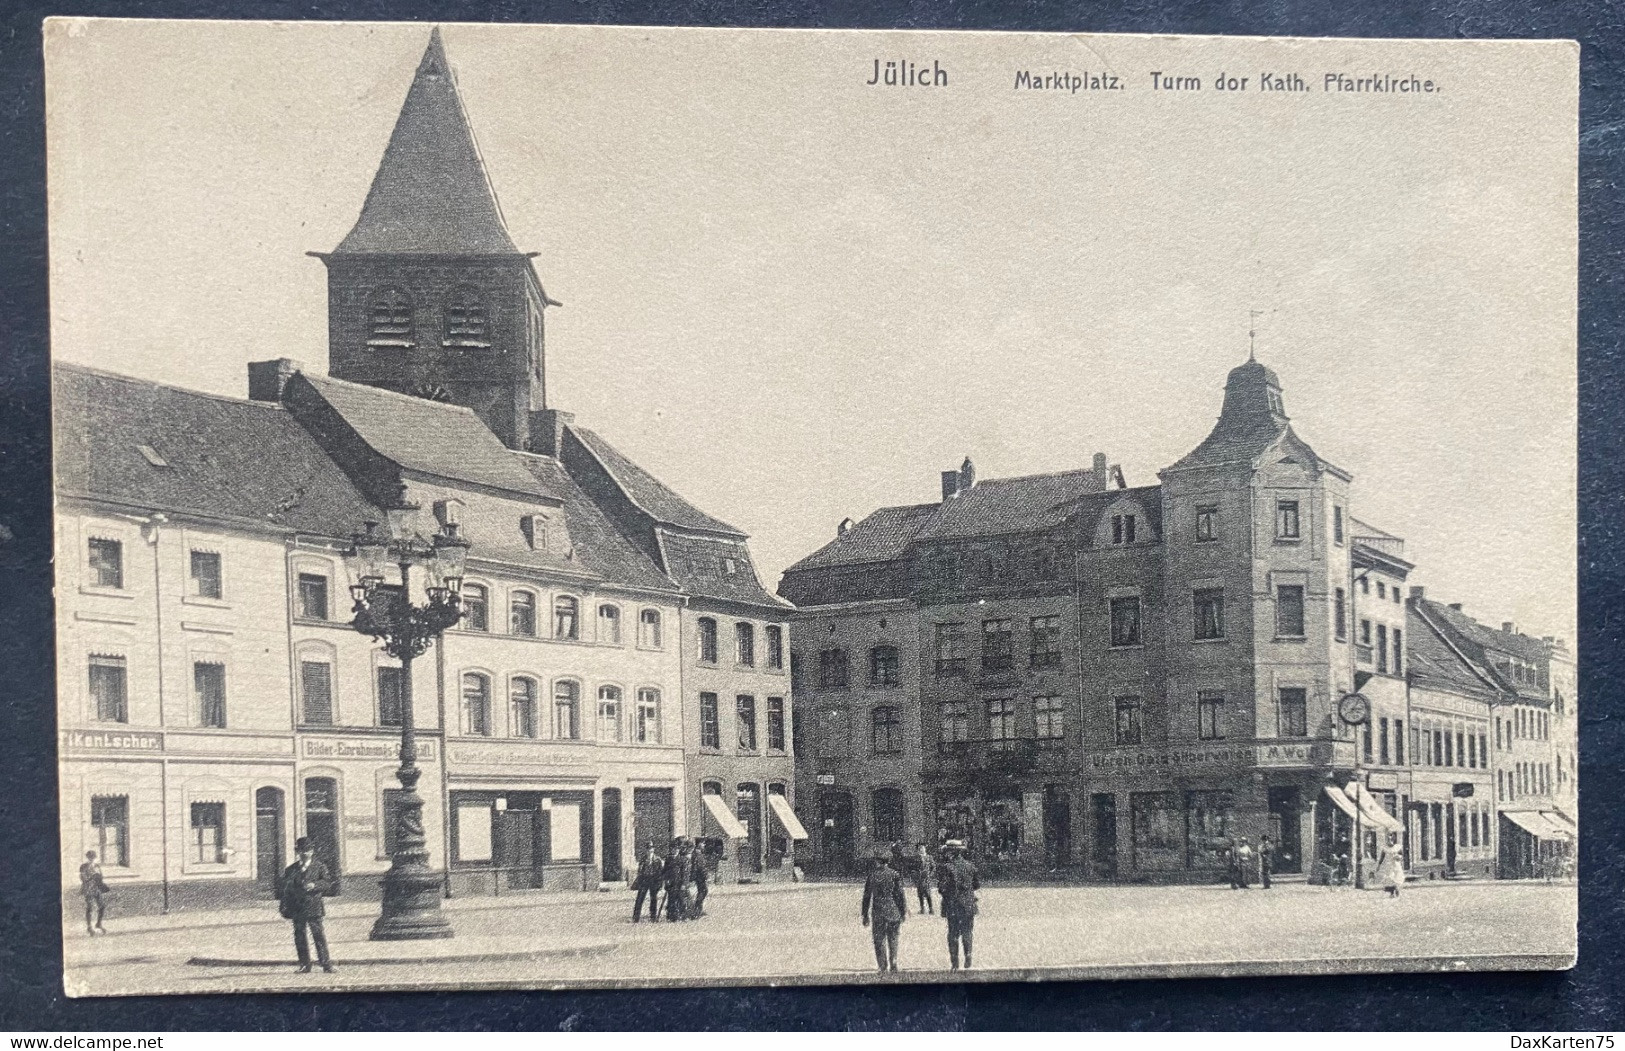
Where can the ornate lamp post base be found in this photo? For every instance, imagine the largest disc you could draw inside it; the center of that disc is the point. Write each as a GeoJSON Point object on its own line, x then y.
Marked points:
{"type": "Point", "coordinates": [411, 908]}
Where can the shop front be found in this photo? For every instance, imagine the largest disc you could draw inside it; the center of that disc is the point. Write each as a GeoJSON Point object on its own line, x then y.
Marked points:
{"type": "Point", "coordinates": [1534, 844]}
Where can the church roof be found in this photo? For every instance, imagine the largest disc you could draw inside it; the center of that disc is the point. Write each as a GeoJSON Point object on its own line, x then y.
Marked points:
{"type": "Point", "coordinates": [650, 495]}
{"type": "Point", "coordinates": [166, 449]}
{"type": "Point", "coordinates": [430, 437]}
{"type": "Point", "coordinates": [431, 193]}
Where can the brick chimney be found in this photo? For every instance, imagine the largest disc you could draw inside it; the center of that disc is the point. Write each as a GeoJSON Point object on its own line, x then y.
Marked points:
{"type": "Point", "coordinates": [1101, 471]}
{"type": "Point", "coordinates": [1509, 627]}
{"type": "Point", "coordinates": [950, 484]}
{"type": "Point", "coordinates": [1418, 592]}
{"type": "Point", "coordinates": [266, 379]}
{"type": "Point", "coordinates": [547, 430]}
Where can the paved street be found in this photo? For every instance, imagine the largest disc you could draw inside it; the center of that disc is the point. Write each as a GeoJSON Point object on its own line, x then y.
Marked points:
{"type": "Point", "coordinates": [805, 932]}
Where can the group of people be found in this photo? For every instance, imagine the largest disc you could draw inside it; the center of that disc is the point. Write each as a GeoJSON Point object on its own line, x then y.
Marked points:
{"type": "Point", "coordinates": [667, 878]}
{"type": "Point", "coordinates": [885, 904]}
{"type": "Point", "coordinates": [1243, 862]}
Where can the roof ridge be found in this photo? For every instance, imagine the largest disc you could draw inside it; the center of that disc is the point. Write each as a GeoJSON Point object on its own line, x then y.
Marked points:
{"type": "Point", "coordinates": [125, 377]}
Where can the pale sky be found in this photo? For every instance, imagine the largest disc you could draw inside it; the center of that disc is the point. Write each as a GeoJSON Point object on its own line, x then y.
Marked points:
{"type": "Point", "coordinates": [795, 298]}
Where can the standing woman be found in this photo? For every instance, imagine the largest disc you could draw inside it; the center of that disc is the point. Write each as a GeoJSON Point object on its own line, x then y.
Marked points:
{"type": "Point", "coordinates": [1391, 870]}
{"type": "Point", "coordinates": [94, 889]}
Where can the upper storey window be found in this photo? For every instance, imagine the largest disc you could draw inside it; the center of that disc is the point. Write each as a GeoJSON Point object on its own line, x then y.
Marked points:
{"type": "Point", "coordinates": [466, 323]}
{"type": "Point", "coordinates": [389, 319]}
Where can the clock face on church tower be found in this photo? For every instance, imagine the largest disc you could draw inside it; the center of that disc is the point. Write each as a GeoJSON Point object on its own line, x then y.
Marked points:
{"type": "Point", "coordinates": [1354, 709]}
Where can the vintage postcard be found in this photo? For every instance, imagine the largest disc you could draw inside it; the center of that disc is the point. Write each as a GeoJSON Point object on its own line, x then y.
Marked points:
{"type": "Point", "coordinates": [575, 506]}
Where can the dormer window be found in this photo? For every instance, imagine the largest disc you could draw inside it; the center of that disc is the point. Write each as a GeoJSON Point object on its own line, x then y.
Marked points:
{"type": "Point", "coordinates": [389, 315]}
{"type": "Point", "coordinates": [466, 324]}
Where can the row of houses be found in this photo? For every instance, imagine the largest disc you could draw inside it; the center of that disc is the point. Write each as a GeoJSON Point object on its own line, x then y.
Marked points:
{"type": "Point", "coordinates": [1077, 675]}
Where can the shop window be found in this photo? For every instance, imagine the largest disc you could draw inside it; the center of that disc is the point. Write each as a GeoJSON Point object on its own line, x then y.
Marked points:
{"type": "Point", "coordinates": [609, 713]}
{"type": "Point", "coordinates": [886, 731]}
{"type": "Point", "coordinates": [1002, 817]}
{"type": "Point", "coordinates": [1125, 615]}
{"type": "Point", "coordinates": [205, 574]}
{"type": "Point", "coordinates": [775, 724]}
{"type": "Point", "coordinates": [208, 840]}
{"type": "Point", "coordinates": [649, 629]}
{"type": "Point", "coordinates": [1157, 822]}
{"type": "Point", "coordinates": [316, 693]}
{"type": "Point", "coordinates": [1046, 642]}
{"type": "Point", "coordinates": [707, 640]}
{"type": "Point", "coordinates": [883, 667]}
{"type": "Point", "coordinates": [522, 614]}
{"type": "Point", "coordinates": [476, 710]}
{"type": "Point", "coordinates": [1208, 845]}
{"type": "Point", "coordinates": [106, 563]}
{"type": "Point", "coordinates": [567, 710]}
{"type": "Point", "coordinates": [313, 596]}
{"type": "Point", "coordinates": [1292, 712]}
{"type": "Point", "coordinates": [647, 730]}
{"type": "Point", "coordinates": [110, 829]}
{"type": "Point", "coordinates": [109, 693]}
{"type": "Point", "coordinates": [710, 722]}
{"type": "Point", "coordinates": [209, 690]}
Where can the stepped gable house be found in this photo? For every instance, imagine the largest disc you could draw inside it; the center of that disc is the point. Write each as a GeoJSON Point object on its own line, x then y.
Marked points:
{"type": "Point", "coordinates": [577, 711]}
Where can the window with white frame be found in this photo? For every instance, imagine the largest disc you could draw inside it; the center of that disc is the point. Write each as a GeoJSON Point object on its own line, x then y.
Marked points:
{"type": "Point", "coordinates": [609, 713]}
{"type": "Point", "coordinates": [204, 574]}
{"type": "Point", "coordinates": [522, 614]}
{"type": "Point", "coordinates": [106, 563]}
{"type": "Point", "coordinates": [647, 728]}
{"type": "Point", "coordinates": [476, 707]}
{"type": "Point", "coordinates": [649, 629]}
{"type": "Point", "coordinates": [609, 624]}
{"type": "Point", "coordinates": [566, 618]}
{"type": "Point", "coordinates": [109, 695]}
{"type": "Point", "coordinates": [567, 710]}
{"type": "Point", "coordinates": [522, 706]}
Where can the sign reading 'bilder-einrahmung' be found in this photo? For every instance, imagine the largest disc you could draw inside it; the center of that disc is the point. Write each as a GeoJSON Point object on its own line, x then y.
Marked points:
{"type": "Point", "coordinates": [864, 506]}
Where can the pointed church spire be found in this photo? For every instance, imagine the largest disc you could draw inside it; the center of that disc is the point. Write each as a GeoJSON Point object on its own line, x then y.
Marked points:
{"type": "Point", "coordinates": [431, 193]}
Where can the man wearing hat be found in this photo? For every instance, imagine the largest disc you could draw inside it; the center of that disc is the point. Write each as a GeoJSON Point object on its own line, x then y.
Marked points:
{"type": "Point", "coordinates": [884, 909]}
{"type": "Point", "coordinates": [957, 884]}
{"type": "Point", "coordinates": [678, 872]}
{"type": "Point", "coordinates": [303, 891]}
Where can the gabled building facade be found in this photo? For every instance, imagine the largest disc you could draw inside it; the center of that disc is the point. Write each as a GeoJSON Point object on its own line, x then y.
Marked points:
{"type": "Point", "coordinates": [561, 722]}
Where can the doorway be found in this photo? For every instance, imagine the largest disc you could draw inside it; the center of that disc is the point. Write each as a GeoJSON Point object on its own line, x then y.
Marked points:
{"type": "Point", "coordinates": [515, 848]}
{"type": "Point", "coordinates": [1286, 828]}
{"type": "Point", "coordinates": [652, 817]}
{"type": "Point", "coordinates": [1057, 827]}
{"type": "Point", "coordinates": [835, 821]}
{"type": "Point", "coordinates": [1103, 812]}
{"type": "Point", "coordinates": [612, 834]}
{"type": "Point", "coordinates": [749, 809]}
{"type": "Point", "coordinates": [322, 820]}
{"type": "Point", "coordinates": [1450, 838]}
{"type": "Point", "coordinates": [269, 860]}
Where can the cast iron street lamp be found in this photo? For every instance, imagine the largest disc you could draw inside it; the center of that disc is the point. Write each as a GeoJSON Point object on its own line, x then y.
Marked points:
{"type": "Point", "coordinates": [386, 612]}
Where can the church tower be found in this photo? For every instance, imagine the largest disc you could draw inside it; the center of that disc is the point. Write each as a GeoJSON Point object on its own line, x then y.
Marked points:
{"type": "Point", "coordinates": [427, 294]}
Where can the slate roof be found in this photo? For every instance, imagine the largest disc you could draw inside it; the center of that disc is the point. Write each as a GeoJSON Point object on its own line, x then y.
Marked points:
{"type": "Point", "coordinates": [1435, 664]}
{"type": "Point", "coordinates": [881, 537]}
{"type": "Point", "coordinates": [651, 495]}
{"type": "Point", "coordinates": [1247, 425]}
{"type": "Point", "coordinates": [222, 457]}
{"type": "Point", "coordinates": [430, 437]}
{"type": "Point", "coordinates": [1011, 505]}
{"type": "Point", "coordinates": [698, 565]}
{"type": "Point", "coordinates": [599, 548]}
{"type": "Point", "coordinates": [1486, 637]}
{"type": "Point", "coordinates": [431, 193]}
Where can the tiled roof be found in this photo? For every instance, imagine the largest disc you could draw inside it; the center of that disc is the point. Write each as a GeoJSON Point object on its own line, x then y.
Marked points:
{"type": "Point", "coordinates": [1433, 663]}
{"type": "Point", "coordinates": [1091, 506]}
{"type": "Point", "coordinates": [431, 193]}
{"type": "Point", "coordinates": [1011, 505]}
{"type": "Point", "coordinates": [702, 567]}
{"type": "Point", "coordinates": [1487, 637]}
{"type": "Point", "coordinates": [881, 537]}
{"type": "Point", "coordinates": [174, 450]}
{"type": "Point", "coordinates": [647, 492]}
{"type": "Point", "coordinates": [430, 437]}
{"type": "Point", "coordinates": [598, 547]}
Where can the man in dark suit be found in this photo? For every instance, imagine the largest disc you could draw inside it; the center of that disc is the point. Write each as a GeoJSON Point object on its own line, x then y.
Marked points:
{"type": "Point", "coordinates": [702, 880]}
{"type": "Point", "coordinates": [651, 871]}
{"type": "Point", "coordinates": [884, 909]}
{"type": "Point", "coordinates": [304, 889]}
{"type": "Point", "coordinates": [677, 874]}
{"type": "Point", "coordinates": [1266, 861]}
{"type": "Point", "coordinates": [957, 884]}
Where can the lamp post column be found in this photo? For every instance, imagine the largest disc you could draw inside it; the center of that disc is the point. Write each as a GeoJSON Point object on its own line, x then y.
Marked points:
{"type": "Point", "coordinates": [411, 907]}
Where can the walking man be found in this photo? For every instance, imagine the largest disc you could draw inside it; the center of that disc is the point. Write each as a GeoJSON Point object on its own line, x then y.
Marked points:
{"type": "Point", "coordinates": [957, 884]}
{"type": "Point", "coordinates": [925, 870]}
{"type": "Point", "coordinates": [884, 909]}
{"type": "Point", "coordinates": [1266, 861]}
{"type": "Point", "coordinates": [677, 874]}
{"type": "Point", "coordinates": [94, 889]}
{"type": "Point", "coordinates": [306, 885]}
{"type": "Point", "coordinates": [650, 872]}
{"type": "Point", "coordinates": [702, 882]}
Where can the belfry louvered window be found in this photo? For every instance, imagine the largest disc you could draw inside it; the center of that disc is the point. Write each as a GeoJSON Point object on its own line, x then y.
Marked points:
{"type": "Point", "coordinates": [465, 319]}
{"type": "Point", "coordinates": [389, 318]}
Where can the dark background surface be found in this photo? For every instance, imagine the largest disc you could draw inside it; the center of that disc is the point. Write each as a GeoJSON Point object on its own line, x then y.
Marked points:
{"type": "Point", "coordinates": [1590, 997]}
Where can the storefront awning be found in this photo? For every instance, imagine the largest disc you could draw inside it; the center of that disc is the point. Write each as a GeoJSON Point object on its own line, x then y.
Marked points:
{"type": "Point", "coordinates": [1373, 811]}
{"type": "Point", "coordinates": [724, 817]}
{"type": "Point", "coordinates": [787, 817]}
{"type": "Point", "coordinates": [1342, 801]}
{"type": "Point", "coordinates": [1561, 821]}
{"type": "Point", "coordinates": [1531, 822]}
